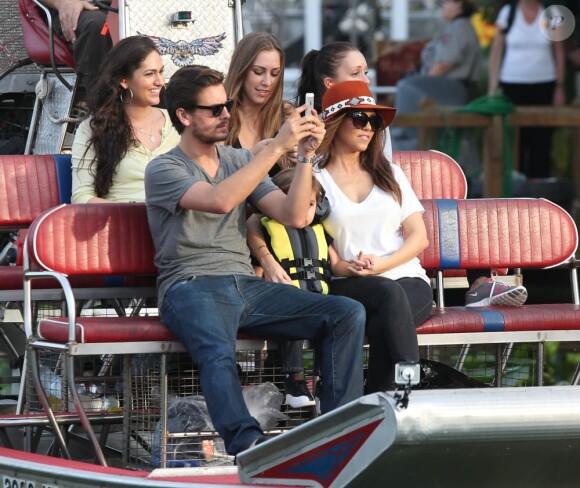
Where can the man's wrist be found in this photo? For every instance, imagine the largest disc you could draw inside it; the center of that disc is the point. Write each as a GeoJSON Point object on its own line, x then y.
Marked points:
{"type": "Point", "coordinates": [264, 256]}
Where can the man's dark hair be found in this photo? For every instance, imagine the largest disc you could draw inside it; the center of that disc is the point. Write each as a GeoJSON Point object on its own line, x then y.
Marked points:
{"type": "Point", "coordinates": [468, 8]}
{"type": "Point", "coordinates": [184, 87]}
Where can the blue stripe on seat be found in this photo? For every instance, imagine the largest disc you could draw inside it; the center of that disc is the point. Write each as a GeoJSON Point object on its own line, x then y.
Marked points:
{"type": "Point", "coordinates": [492, 321]}
{"type": "Point", "coordinates": [448, 233]}
{"type": "Point", "coordinates": [114, 280]}
{"type": "Point", "coordinates": [64, 176]}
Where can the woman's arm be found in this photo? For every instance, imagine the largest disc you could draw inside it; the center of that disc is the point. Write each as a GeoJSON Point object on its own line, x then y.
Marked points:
{"type": "Point", "coordinates": [440, 68]}
{"type": "Point", "coordinates": [415, 242]}
{"type": "Point", "coordinates": [560, 61]}
{"type": "Point", "coordinates": [259, 249]}
{"type": "Point", "coordinates": [83, 154]}
{"type": "Point", "coordinates": [495, 56]}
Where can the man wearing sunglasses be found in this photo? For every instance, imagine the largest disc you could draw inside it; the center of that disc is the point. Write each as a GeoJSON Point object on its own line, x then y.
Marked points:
{"type": "Point", "coordinates": [196, 199]}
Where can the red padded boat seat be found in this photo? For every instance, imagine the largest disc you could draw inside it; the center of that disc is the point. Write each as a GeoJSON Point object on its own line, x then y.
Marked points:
{"type": "Point", "coordinates": [100, 240]}
{"type": "Point", "coordinates": [11, 279]}
{"type": "Point", "coordinates": [454, 320]}
{"type": "Point", "coordinates": [432, 174]}
{"type": "Point", "coordinates": [90, 330]}
{"type": "Point", "coordinates": [497, 233]}
{"type": "Point", "coordinates": [106, 329]}
{"type": "Point", "coordinates": [37, 37]}
{"type": "Point", "coordinates": [29, 186]}
{"type": "Point", "coordinates": [493, 233]}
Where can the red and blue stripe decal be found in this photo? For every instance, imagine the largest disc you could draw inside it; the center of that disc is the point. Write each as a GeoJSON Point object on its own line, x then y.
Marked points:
{"type": "Point", "coordinates": [324, 463]}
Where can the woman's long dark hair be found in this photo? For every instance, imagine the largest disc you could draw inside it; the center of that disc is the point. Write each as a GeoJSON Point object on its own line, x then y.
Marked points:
{"type": "Point", "coordinates": [373, 160]}
{"type": "Point", "coordinates": [112, 134]}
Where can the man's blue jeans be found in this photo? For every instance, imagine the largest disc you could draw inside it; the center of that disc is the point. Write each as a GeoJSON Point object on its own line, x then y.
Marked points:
{"type": "Point", "coordinates": [205, 313]}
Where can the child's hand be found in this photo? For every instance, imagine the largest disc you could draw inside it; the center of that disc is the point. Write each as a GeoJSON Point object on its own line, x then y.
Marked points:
{"type": "Point", "coordinates": [273, 272]}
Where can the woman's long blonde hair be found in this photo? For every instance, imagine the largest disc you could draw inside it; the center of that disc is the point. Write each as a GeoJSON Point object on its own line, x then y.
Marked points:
{"type": "Point", "coordinates": [373, 160]}
{"type": "Point", "coordinates": [270, 116]}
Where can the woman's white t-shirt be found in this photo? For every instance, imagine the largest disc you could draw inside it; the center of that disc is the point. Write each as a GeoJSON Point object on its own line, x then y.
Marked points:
{"type": "Point", "coordinates": [372, 226]}
{"type": "Point", "coordinates": [529, 55]}
{"type": "Point", "coordinates": [388, 150]}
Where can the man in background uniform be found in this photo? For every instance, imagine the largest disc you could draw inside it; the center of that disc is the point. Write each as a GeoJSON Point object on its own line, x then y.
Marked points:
{"type": "Point", "coordinates": [83, 25]}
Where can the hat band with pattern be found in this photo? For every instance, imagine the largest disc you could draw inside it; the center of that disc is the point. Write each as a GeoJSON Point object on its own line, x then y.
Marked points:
{"type": "Point", "coordinates": [351, 102]}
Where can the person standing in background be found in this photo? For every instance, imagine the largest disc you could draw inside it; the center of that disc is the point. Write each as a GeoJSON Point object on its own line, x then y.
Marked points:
{"type": "Point", "coordinates": [455, 52]}
{"type": "Point", "coordinates": [530, 69]}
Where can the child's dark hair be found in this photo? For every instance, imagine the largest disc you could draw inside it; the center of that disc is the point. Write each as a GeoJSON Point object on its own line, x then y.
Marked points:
{"type": "Point", "coordinates": [283, 180]}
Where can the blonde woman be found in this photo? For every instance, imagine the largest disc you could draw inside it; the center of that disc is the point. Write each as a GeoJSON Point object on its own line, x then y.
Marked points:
{"type": "Point", "coordinates": [255, 84]}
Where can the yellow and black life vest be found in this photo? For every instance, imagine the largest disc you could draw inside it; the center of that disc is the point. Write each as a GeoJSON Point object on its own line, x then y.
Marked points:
{"type": "Point", "coordinates": [303, 253]}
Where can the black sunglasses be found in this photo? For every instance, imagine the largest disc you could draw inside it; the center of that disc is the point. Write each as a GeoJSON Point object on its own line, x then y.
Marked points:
{"type": "Point", "coordinates": [217, 109]}
{"type": "Point", "coordinates": [361, 119]}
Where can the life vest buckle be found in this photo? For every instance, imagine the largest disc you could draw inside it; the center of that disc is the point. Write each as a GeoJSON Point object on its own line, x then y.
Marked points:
{"type": "Point", "coordinates": [306, 274]}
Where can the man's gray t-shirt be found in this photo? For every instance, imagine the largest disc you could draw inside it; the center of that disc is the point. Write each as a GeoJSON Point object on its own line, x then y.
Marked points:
{"type": "Point", "coordinates": [189, 242]}
{"type": "Point", "coordinates": [457, 44]}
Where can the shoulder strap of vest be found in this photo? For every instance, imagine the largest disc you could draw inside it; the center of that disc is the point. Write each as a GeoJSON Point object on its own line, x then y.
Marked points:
{"type": "Point", "coordinates": [511, 16]}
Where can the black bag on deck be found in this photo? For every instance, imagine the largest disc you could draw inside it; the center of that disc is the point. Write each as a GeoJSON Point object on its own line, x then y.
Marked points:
{"type": "Point", "coordinates": [438, 375]}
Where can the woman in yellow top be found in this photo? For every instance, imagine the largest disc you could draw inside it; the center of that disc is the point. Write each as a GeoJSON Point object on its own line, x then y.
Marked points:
{"type": "Point", "coordinates": [125, 131]}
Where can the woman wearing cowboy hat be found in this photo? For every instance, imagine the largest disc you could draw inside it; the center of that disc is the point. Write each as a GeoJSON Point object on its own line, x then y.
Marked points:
{"type": "Point", "coordinates": [377, 228]}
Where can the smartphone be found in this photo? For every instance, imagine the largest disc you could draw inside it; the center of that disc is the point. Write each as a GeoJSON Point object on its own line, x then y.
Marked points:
{"type": "Point", "coordinates": [310, 102]}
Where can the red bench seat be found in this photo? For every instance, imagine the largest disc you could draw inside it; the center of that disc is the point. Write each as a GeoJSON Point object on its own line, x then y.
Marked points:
{"type": "Point", "coordinates": [499, 233]}
{"type": "Point", "coordinates": [453, 320]}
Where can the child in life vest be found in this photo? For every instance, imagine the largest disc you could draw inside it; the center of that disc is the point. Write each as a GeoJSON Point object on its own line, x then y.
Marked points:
{"type": "Point", "coordinates": [298, 257]}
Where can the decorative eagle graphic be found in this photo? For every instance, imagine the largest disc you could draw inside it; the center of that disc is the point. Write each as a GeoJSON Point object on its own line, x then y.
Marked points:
{"type": "Point", "coordinates": [182, 52]}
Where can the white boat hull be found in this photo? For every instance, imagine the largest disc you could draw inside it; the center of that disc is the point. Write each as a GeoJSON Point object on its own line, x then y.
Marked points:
{"type": "Point", "coordinates": [466, 437]}
{"type": "Point", "coordinates": [453, 438]}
